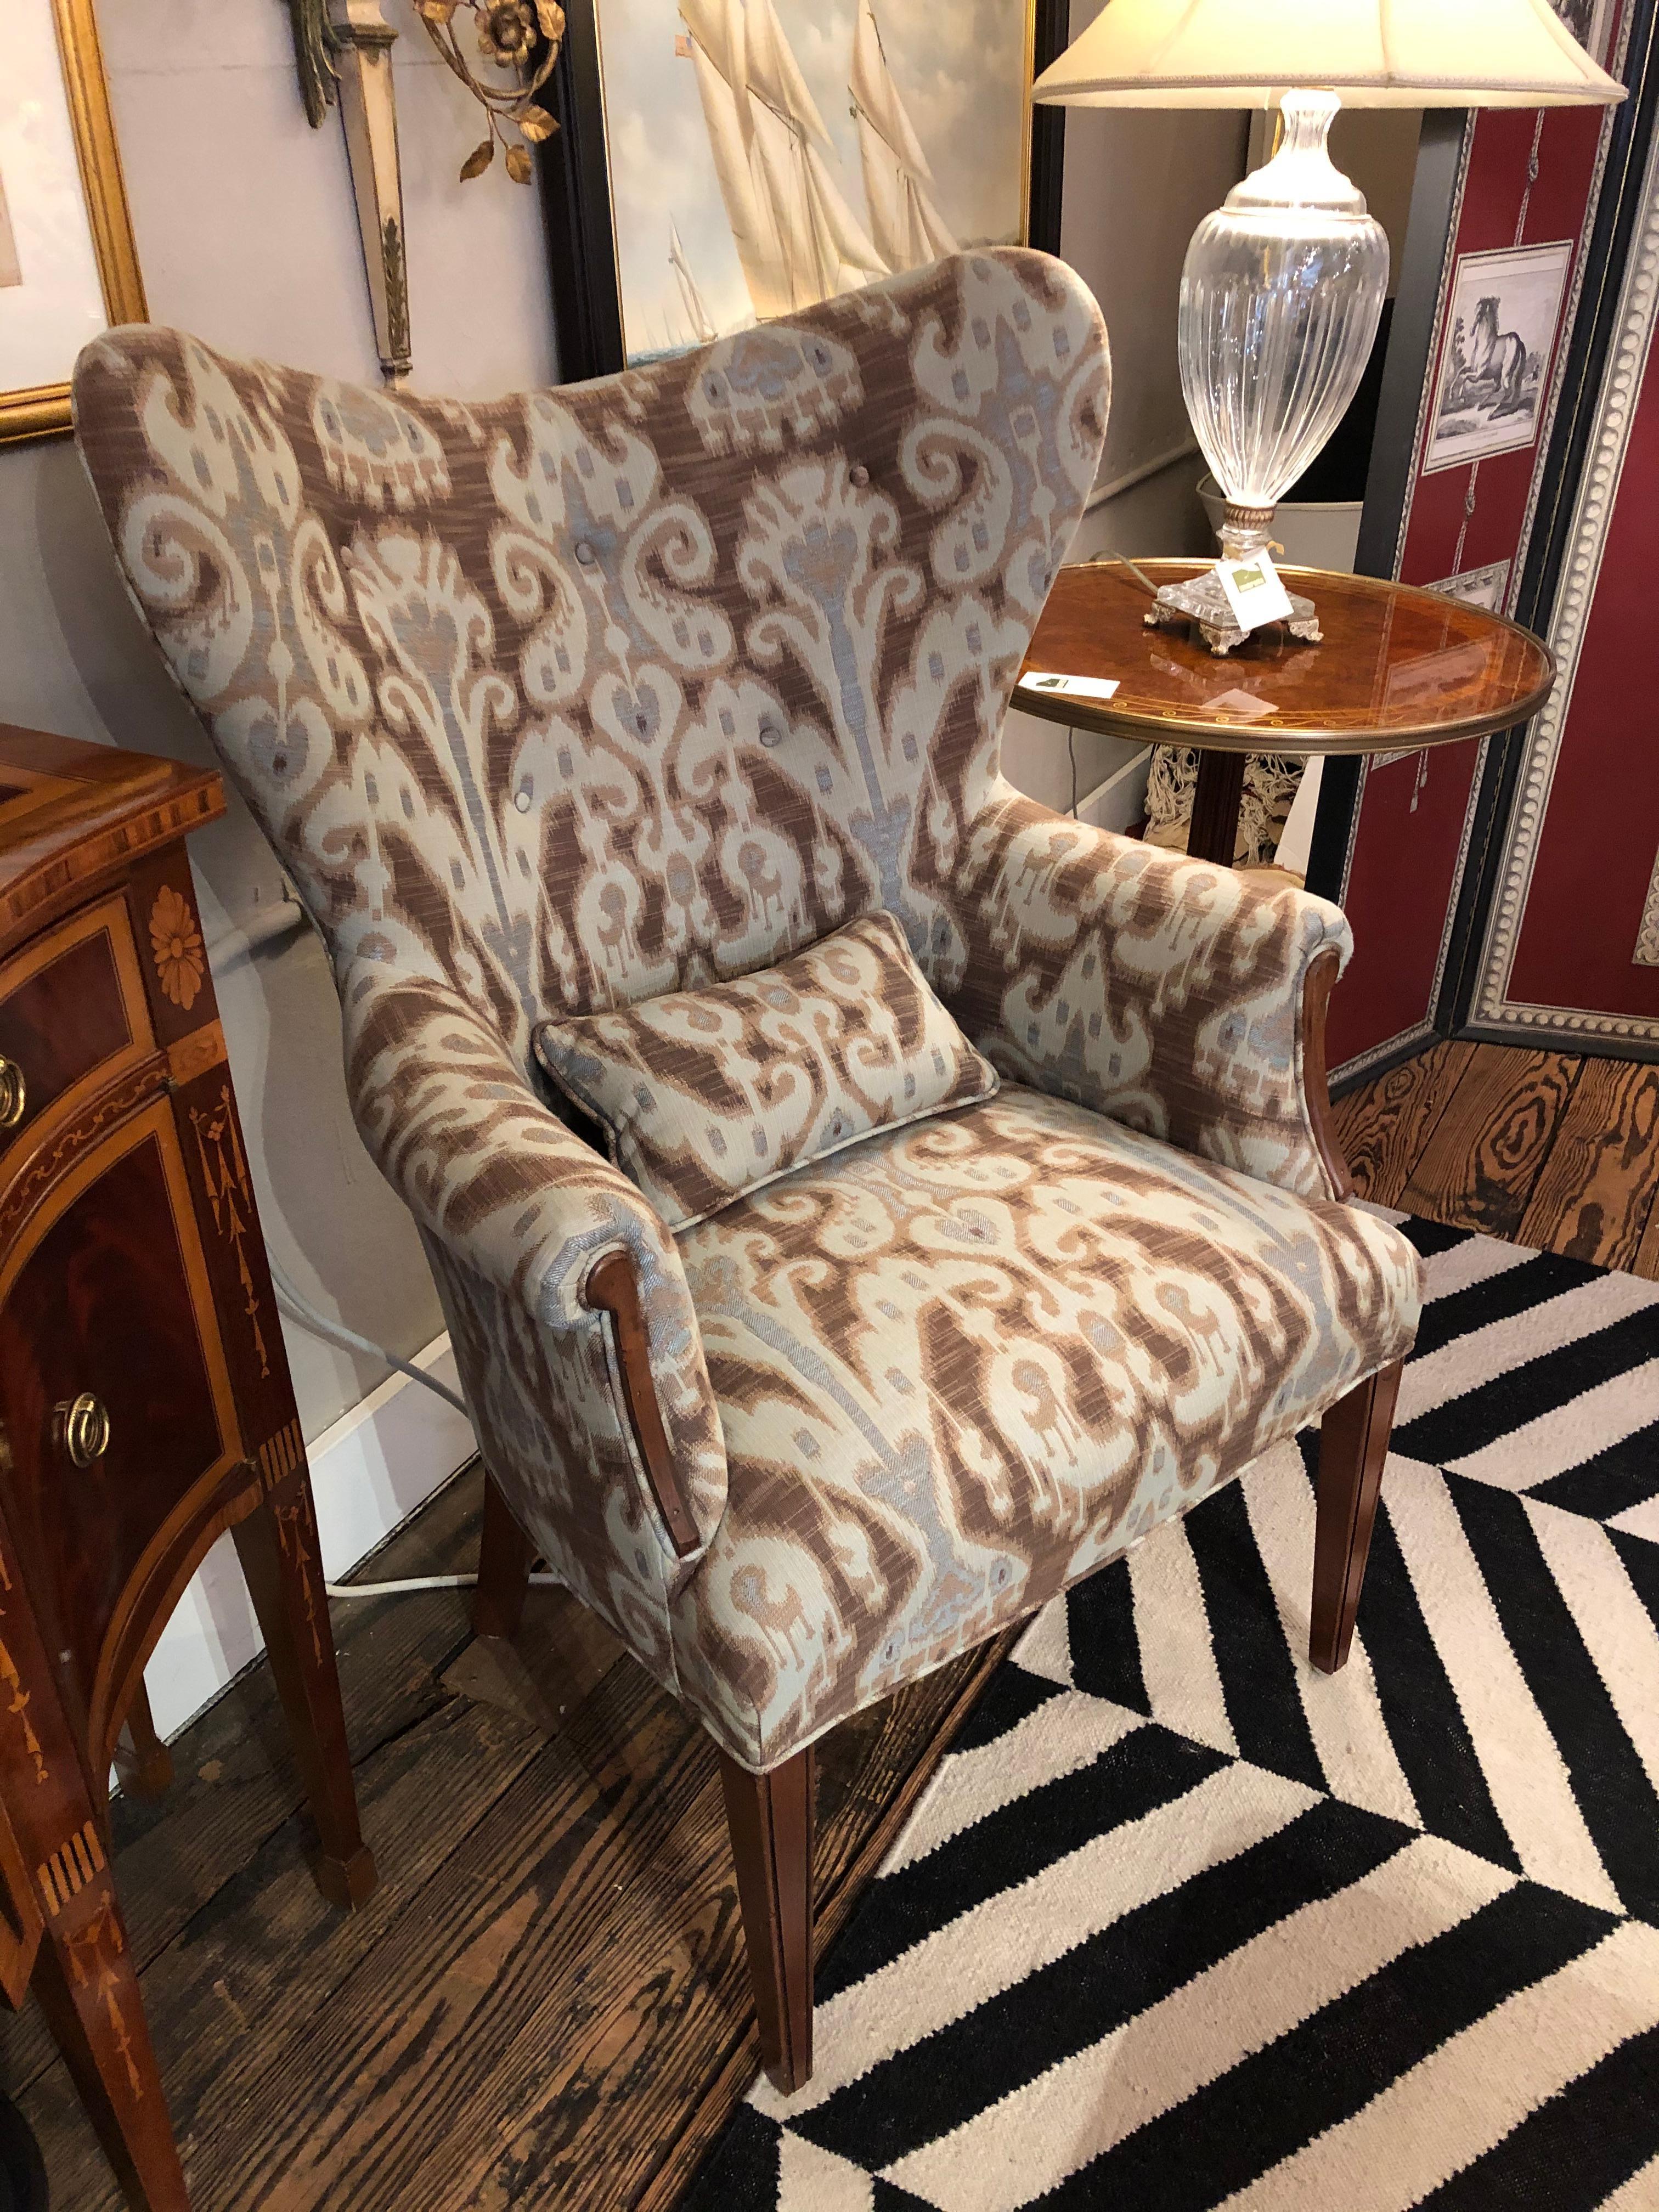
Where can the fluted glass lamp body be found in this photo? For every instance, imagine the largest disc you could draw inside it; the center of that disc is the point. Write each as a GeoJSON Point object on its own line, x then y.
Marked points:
{"type": "Point", "coordinates": [1281, 295]}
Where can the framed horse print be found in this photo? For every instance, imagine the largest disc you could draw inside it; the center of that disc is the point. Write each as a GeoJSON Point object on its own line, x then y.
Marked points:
{"type": "Point", "coordinates": [724, 161]}
{"type": "Point", "coordinates": [1501, 326]}
{"type": "Point", "coordinates": [68, 265]}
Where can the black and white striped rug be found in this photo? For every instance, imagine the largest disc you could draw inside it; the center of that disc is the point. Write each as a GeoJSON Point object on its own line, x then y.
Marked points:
{"type": "Point", "coordinates": [1181, 1923]}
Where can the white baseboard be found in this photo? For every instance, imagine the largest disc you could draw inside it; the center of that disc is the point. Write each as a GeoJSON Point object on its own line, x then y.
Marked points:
{"type": "Point", "coordinates": [369, 1472]}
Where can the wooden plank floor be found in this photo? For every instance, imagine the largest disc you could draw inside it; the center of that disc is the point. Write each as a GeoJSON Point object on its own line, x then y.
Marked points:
{"type": "Point", "coordinates": [543, 2005]}
{"type": "Point", "coordinates": [1542, 1147]}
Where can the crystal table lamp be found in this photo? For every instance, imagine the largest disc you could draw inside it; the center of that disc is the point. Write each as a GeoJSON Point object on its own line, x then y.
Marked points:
{"type": "Point", "coordinates": [1284, 284]}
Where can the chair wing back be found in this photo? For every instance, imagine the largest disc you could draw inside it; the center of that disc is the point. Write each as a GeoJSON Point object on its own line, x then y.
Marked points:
{"type": "Point", "coordinates": [580, 695]}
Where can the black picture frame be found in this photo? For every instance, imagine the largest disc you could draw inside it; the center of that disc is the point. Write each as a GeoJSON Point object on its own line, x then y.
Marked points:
{"type": "Point", "coordinates": [575, 186]}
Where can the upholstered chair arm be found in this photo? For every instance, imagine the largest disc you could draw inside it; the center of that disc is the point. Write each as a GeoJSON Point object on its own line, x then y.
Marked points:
{"type": "Point", "coordinates": [1177, 997]}
{"type": "Point", "coordinates": [512, 1202]}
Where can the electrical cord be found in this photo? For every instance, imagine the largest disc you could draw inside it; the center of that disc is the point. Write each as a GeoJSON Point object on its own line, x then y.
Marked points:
{"type": "Point", "coordinates": [264, 927]}
{"type": "Point", "coordinates": [412, 1583]}
{"type": "Point", "coordinates": [336, 1331]}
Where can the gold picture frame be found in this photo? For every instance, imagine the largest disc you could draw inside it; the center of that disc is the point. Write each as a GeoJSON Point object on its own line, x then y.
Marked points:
{"type": "Point", "coordinates": [42, 411]}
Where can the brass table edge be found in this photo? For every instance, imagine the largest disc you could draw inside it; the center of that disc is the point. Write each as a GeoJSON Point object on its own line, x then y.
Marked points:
{"type": "Point", "coordinates": [1106, 719]}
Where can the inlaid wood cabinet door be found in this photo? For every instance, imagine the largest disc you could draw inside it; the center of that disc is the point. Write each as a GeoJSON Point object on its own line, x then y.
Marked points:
{"type": "Point", "coordinates": [115, 1405]}
{"type": "Point", "coordinates": [72, 1017]}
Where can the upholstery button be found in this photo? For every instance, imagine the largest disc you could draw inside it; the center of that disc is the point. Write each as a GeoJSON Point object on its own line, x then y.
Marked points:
{"type": "Point", "coordinates": [584, 553]}
{"type": "Point", "coordinates": [770, 734]}
{"type": "Point", "coordinates": [859, 475]}
{"type": "Point", "coordinates": [522, 799]}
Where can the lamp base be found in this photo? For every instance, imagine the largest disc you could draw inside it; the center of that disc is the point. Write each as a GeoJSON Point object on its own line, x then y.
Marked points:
{"type": "Point", "coordinates": [1201, 600]}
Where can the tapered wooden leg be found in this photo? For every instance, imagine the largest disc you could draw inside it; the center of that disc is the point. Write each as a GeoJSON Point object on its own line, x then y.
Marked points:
{"type": "Point", "coordinates": [506, 1556]}
{"type": "Point", "coordinates": [1353, 1442]}
{"type": "Point", "coordinates": [141, 1759]}
{"type": "Point", "coordinates": [282, 1559]}
{"type": "Point", "coordinates": [770, 1819]}
{"type": "Point", "coordinates": [88, 1991]}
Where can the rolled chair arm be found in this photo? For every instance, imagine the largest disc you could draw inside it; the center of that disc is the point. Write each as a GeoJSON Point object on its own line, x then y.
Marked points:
{"type": "Point", "coordinates": [521, 1201]}
{"type": "Point", "coordinates": [1177, 997]}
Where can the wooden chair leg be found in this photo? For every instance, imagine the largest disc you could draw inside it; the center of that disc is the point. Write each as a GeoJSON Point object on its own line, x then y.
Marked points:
{"type": "Point", "coordinates": [88, 1989]}
{"type": "Point", "coordinates": [770, 1819]}
{"type": "Point", "coordinates": [282, 1559]}
{"type": "Point", "coordinates": [141, 1759]}
{"type": "Point", "coordinates": [506, 1556]}
{"type": "Point", "coordinates": [1354, 1444]}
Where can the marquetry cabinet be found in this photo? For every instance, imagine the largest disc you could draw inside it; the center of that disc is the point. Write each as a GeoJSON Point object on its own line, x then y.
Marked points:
{"type": "Point", "coordinates": [145, 1401]}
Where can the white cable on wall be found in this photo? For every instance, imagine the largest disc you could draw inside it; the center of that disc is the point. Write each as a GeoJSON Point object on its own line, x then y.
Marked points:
{"type": "Point", "coordinates": [299, 1309]}
{"type": "Point", "coordinates": [267, 926]}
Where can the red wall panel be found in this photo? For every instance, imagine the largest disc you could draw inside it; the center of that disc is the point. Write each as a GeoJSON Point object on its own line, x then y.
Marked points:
{"type": "Point", "coordinates": [1530, 180]}
{"type": "Point", "coordinates": [1596, 851]}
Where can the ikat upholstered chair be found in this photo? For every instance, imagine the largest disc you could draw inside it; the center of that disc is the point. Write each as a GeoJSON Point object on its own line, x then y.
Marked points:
{"type": "Point", "coordinates": [560, 706]}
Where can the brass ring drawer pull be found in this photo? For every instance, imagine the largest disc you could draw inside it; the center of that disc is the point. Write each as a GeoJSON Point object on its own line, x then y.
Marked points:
{"type": "Point", "coordinates": [14, 1093]}
{"type": "Point", "coordinates": [82, 1428]}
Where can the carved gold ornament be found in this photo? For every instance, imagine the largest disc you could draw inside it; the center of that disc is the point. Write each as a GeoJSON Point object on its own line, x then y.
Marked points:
{"type": "Point", "coordinates": [518, 35]}
{"type": "Point", "coordinates": [176, 942]}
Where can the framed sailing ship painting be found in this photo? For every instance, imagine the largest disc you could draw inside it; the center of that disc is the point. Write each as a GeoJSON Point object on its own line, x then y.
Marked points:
{"type": "Point", "coordinates": [724, 161]}
{"type": "Point", "coordinates": [68, 266]}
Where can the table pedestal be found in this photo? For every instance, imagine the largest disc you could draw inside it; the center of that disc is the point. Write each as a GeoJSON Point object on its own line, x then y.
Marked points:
{"type": "Point", "coordinates": [1216, 802]}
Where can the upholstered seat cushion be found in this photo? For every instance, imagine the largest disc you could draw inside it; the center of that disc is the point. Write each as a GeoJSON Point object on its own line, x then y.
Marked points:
{"type": "Point", "coordinates": [700, 1095]}
{"type": "Point", "coordinates": [965, 1362]}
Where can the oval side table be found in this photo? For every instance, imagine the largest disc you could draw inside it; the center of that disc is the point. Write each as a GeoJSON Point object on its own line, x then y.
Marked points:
{"type": "Point", "coordinates": [1400, 669]}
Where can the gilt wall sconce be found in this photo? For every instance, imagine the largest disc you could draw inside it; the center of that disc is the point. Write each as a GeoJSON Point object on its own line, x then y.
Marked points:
{"type": "Point", "coordinates": [513, 34]}
{"type": "Point", "coordinates": [343, 49]}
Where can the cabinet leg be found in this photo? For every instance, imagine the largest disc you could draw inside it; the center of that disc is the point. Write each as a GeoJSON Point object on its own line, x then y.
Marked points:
{"type": "Point", "coordinates": [1353, 1442]}
{"type": "Point", "coordinates": [141, 1759]}
{"type": "Point", "coordinates": [506, 1555]}
{"type": "Point", "coordinates": [770, 1819]}
{"type": "Point", "coordinates": [282, 1561]}
{"type": "Point", "coordinates": [88, 1991]}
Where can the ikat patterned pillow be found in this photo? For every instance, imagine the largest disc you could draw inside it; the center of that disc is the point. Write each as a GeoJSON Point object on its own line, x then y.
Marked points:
{"type": "Point", "coordinates": [703, 1095]}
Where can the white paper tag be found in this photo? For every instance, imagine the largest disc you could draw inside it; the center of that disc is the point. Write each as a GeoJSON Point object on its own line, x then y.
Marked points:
{"type": "Point", "coordinates": [1253, 591]}
{"type": "Point", "coordinates": [1069, 687]}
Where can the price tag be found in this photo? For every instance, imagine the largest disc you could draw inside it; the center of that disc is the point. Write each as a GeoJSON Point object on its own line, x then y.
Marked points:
{"type": "Point", "coordinates": [1069, 687]}
{"type": "Point", "coordinates": [1253, 590]}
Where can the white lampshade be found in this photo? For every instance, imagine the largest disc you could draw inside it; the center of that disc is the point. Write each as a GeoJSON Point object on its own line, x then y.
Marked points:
{"type": "Point", "coordinates": [1376, 53]}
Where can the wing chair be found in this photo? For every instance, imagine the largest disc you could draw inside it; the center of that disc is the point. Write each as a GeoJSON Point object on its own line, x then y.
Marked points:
{"type": "Point", "coordinates": [563, 702]}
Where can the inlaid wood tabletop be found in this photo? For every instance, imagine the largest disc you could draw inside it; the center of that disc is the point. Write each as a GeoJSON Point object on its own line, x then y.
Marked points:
{"type": "Point", "coordinates": [1399, 668]}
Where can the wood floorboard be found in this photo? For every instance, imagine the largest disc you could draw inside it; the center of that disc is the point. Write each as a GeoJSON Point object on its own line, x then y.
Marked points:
{"type": "Point", "coordinates": [1384, 1126]}
{"type": "Point", "coordinates": [1647, 1254]}
{"type": "Point", "coordinates": [1488, 1147]}
{"type": "Point", "coordinates": [545, 2003]}
{"type": "Point", "coordinates": [1595, 1194]}
{"type": "Point", "coordinates": [235, 1786]}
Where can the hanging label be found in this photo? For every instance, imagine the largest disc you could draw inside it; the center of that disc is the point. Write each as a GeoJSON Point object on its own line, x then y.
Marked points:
{"type": "Point", "coordinates": [1069, 687]}
{"type": "Point", "coordinates": [1253, 591]}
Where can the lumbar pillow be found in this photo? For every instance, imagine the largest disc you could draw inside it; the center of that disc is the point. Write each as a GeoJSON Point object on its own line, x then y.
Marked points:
{"type": "Point", "coordinates": [700, 1095]}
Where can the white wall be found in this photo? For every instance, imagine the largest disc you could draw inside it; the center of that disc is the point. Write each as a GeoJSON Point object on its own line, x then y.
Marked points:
{"type": "Point", "coordinates": [247, 235]}
{"type": "Point", "coordinates": [1136, 184]}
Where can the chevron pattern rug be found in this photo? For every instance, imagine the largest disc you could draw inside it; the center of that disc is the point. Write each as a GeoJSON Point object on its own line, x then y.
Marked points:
{"type": "Point", "coordinates": [1181, 1923]}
